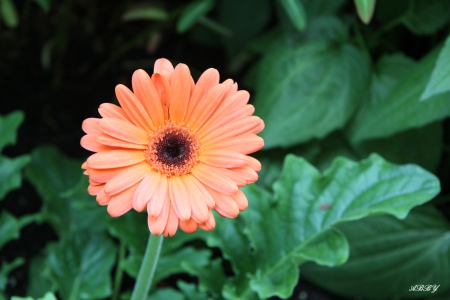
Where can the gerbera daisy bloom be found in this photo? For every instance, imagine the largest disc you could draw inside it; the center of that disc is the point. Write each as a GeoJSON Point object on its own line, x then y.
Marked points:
{"type": "Point", "coordinates": [174, 147]}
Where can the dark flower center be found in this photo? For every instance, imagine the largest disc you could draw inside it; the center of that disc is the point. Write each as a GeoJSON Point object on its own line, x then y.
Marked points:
{"type": "Point", "coordinates": [174, 149]}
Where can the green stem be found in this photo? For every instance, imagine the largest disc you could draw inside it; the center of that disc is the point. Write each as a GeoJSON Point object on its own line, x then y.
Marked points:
{"type": "Point", "coordinates": [148, 266]}
{"type": "Point", "coordinates": [119, 272]}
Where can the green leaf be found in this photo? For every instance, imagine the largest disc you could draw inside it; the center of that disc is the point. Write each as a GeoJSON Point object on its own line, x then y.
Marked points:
{"type": "Point", "coordinates": [145, 13]}
{"type": "Point", "coordinates": [425, 17]}
{"type": "Point", "coordinates": [9, 13]}
{"type": "Point", "coordinates": [294, 9]}
{"type": "Point", "coordinates": [190, 291]}
{"type": "Point", "coordinates": [315, 8]}
{"type": "Point", "coordinates": [211, 277]}
{"type": "Point", "coordinates": [44, 4]}
{"type": "Point", "coordinates": [38, 284]}
{"type": "Point", "coordinates": [365, 9]}
{"type": "Point", "coordinates": [192, 13]}
{"type": "Point", "coordinates": [9, 125]}
{"type": "Point", "coordinates": [305, 92]}
{"type": "Point", "coordinates": [80, 264]}
{"type": "Point", "coordinates": [401, 109]}
{"type": "Point", "coordinates": [47, 296]}
{"type": "Point", "coordinates": [10, 173]}
{"type": "Point", "coordinates": [440, 78]}
{"type": "Point", "coordinates": [6, 269]}
{"type": "Point", "coordinates": [383, 250]}
{"type": "Point", "coordinates": [9, 228]}
{"type": "Point", "coordinates": [163, 294]}
{"type": "Point", "coordinates": [426, 142]}
{"type": "Point", "coordinates": [52, 174]}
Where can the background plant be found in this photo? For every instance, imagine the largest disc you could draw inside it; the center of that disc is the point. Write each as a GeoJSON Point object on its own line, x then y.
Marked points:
{"type": "Point", "coordinates": [353, 194]}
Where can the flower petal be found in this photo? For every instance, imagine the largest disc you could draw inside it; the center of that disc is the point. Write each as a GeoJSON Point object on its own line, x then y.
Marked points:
{"type": "Point", "coordinates": [109, 110]}
{"type": "Point", "coordinates": [199, 209]}
{"type": "Point", "coordinates": [254, 164]}
{"type": "Point", "coordinates": [223, 158]}
{"type": "Point", "coordinates": [232, 129]}
{"type": "Point", "coordinates": [127, 178]}
{"type": "Point", "coordinates": [104, 175]}
{"type": "Point", "coordinates": [123, 130]}
{"type": "Point", "coordinates": [210, 224]}
{"type": "Point", "coordinates": [225, 205]}
{"type": "Point", "coordinates": [121, 203]}
{"type": "Point", "coordinates": [133, 108]}
{"type": "Point", "coordinates": [188, 226]}
{"type": "Point", "coordinates": [209, 200]}
{"type": "Point", "coordinates": [180, 92]}
{"type": "Point", "coordinates": [205, 83]}
{"type": "Point", "coordinates": [157, 201]}
{"type": "Point", "coordinates": [214, 178]}
{"type": "Point", "coordinates": [163, 87]}
{"type": "Point", "coordinates": [113, 143]}
{"type": "Point", "coordinates": [241, 200]}
{"type": "Point", "coordinates": [159, 223]}
{"type": "Point", "coordinates": [115, 158]}
{"type": "Point", "coordinates": [172, 223]}
{"type": "Point", "coordinates": [147, 94]}
{"type": "Point", "coordinates": [93, 190]}
{"type": "Point", "coordinates": [179, 197]}
{"type": "Point", "coordinates": [245, 144]}
{"type": "Point", "coordinates": [89, 142]}
{"type": "Point", "coordinates": [206, 106]}
{"type": "Point", "coordinates": [90, 126]}
{"type": "Point", "coordinates": [147, 187]}
{"type": "Point", "coordinates": [246, 172]}
{"type": "Point", "coordinates": [102, 198]}
{"type": "Point", "coordinates": [164, 67]}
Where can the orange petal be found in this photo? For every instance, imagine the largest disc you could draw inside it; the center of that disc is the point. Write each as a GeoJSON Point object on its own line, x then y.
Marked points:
{"type": "Point", "coordinates": [188, 226]}
{"type": "Point", "coordinates": [159, 223]}
{"type": "Point", "coordinates": [115, 158]}
{"type": "Point", "coordinates": [90, 126]}
{"type": "Point", "coordinates": [164, 67]}
{"type": "Point", "coordinates": [172, 223]}
{"type": "Point", "coordinates": [84, 165]}
{"type": "Point", "coordinates": [89, 142]}
{"type": "Point", "coordinates": [254, 164]}
{"type": "Point", "coordinates": [102, 198]}
{"type": "Point", "coordinates": [104, 175]}
{"type": "Point", "coordinates": [235, 128]}
{"type": "Point", "coordinates": [214, 178]}
{"type": "Point", "coordinates": [109, 110]}
{"type": "Point", "coordinates": [199, 209]}
{"type": "Point", "coordinates": [205, 83]}
{"type": "Point", "coordinates": [93, 190]}
{"type": "Point", "coordinates": [206, 106]}
{"type": "Point", "coordinates": [92, 182]}
{"type": "Point", "coordinates": [158, 199]}
{"type": "Point", "coordinates": [246, 172]}
{"type": "Point", "coordinates": [106, 140]}
{"type": "Point", "coordinates": [127, 178]}
{"type": "Point", "coordinates": [210, 224]}
{"type": "Point", "coordinates": [147, 94]}
{"type": "Point", "coordinates": [245, 144]}
{"type": "Point", "coordinates": [122, 202]}
{"type": "Point", "coordinates": [225, 205]}
{"type": "Point", "coordinates": [123, 130]}
{"type": "Point", "coordinates": [258, 128]}
{"type": "Point", "coordinates": [209, 200]}
{"type": "Point", "coordinates": [237, 178]}
{"type": "Point", "coordinates": [223, 158]}
{"type": "Point", "coordinates": [179, 197]}
{"type": "Point", "coordinates": [163, 88]}
{"type": "Point", "coordinates": [241, 200]}
{"type": "Point", "coordinates": [180, 92]}
{"type": "Point", "coordinates": [145, 190]}
{"type": "Point", "coordinates": [133, 108]}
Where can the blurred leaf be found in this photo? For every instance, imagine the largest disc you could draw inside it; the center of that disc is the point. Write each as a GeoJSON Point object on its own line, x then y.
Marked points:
{"type": "Point", "coordinates": [6, 268]}
{"type": "Point", "coordinates": [9, 125]}
{"type": "Point", "coordinates": [190, 291]}
{"type": "Point", "coordinates": [9, 228]}
{"type": "Point", "coordinates": [47, 296]}
{"type": "Point", "coordinates": [245, 19]}
{"type": "Point", "coordinates": [9, 13]}
{"type": "Point", "coordinates": [306, 91]}
{"type": "Point", "coordinates": [214, 26]}
{"type": "Point", "coordinates": [425, 17]}
{"type": "Point", "coordinates": [46, 54]}
{"type": "Point", "coordinates": [401, 108]}
{"type": "Point", "coordinates": [294, 9]}
{"type": "Point", "coordinates": [440, 78]}
{"type": "Point", "coordinates": [52, 174]}
{"type": "Point", "coordinates": [426, 142]}
{"type": "Point", "coordinates": [383, 250]}
{"type": "Point", "coordinates": [211, 277]}
{"type": "Point", "coordinates": [44, 4]}
{"type": "Point", "coordinates": [192, 13]}
{"type": "Point", "coordinates": [365, 9]}
{"type": "Point", "coordinates": [79, 265]}
{"type": "Point", "coordinates": [274, 234]}
{"type": "Point", "coordinates": [151, 13]}
{"type": "Point", "coordinates": [10, 173]}
{"type": "Point", "coordinates": [315, 8]}
{"type": "Point", "coordinates": [164, 294]}
{"type": "Point", "coordinates": [37, 284]}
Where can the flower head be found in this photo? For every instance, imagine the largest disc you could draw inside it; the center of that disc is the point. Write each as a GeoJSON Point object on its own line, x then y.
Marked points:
{"type": "Point", "coordinates": [174, 147]}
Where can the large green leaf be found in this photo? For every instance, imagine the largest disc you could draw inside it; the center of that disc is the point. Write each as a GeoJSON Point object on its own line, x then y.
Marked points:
{"type": "Point", "coordinates": [365, 9]}
{"type": "Point", "coordinates": [192, 13]}
{"type": "Point", "coordinates": [298, 223]}
{"type": "Point", "coordinates": [38, 284]}
{"type": "Point", "coordinates": [440, 78]}
{"type": "Point", "coordinates": [5, 269]}
{"type": "Point", "coordinates": [10, 173]}
{"type": "Point", "coordinates": [9, 125]}
{"type": "Point", "coordinates": [53, 174]}
{"type": "Point", "coordinates": [384, 250]}
{"type": "Point", "coordinates": [425, 17]}
{"type": "Point", "coordinates": [79, 265]}
{"type": "Point", "coordinates": [401, 109]}
{"type": "Point", "coordinates": [9, 228]}
{"type": "Point", "coordinates": [308, 91]}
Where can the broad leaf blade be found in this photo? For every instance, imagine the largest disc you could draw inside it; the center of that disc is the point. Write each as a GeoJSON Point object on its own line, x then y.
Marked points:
{"type": "Point", "coordinates": [294, 9]}
{"type": "Point", "coordinates": [9, 125]}
{"type": "Point", "coordinates": [10, 173]}
{"type": "Point", "coordinates": [192, 13]}
{"type": "Point", "coordinates": [365, 9]}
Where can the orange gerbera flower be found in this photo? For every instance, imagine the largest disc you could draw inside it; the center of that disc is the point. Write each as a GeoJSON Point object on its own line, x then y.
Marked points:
{"type": "Point", "coordinates": [174, 147]}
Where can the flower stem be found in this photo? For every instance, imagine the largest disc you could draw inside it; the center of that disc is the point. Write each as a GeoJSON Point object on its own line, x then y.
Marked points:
{"type": "Point", "coordinates": [148, 266]}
